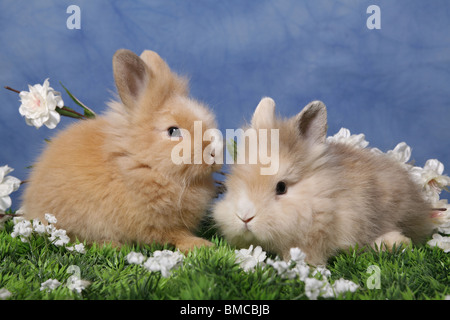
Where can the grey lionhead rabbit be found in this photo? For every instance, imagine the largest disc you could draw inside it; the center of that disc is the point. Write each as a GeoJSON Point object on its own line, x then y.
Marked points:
{"type": "Point", "coordinates": [112, 179]}
{"type": "Point", "coordinates": [324, 197]}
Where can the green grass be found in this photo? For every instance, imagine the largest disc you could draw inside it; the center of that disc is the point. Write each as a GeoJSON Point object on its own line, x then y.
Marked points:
{"type": "Point", "coordinates": [210, 273]}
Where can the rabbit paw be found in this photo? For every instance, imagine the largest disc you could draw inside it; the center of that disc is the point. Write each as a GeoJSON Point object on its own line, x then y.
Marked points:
{"type": "Point", "coordinates": [189, 243]}
{"type": "Point", "coordinates": [388, 240]}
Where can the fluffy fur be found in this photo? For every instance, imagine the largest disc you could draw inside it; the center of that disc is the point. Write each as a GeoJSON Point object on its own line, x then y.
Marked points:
{"type": "Point", "coordinates": [337, 195]}
{"type": "Point", "coordinates": [112, 179]}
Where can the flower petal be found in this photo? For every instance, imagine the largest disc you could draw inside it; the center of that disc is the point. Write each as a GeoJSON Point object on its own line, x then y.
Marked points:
{"type": "Point", "coordinates": [5, 203]}
{"type": "Point", "coordinates": [53, 120]}
{"type": "Point", "coordinates": [434, 165]}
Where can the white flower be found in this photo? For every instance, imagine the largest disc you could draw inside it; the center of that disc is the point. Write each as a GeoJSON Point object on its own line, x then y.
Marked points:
{"type": "Point", "coordinates": [401, 152]}
{"type": "Point", "coordinates": [343, 285]}
{"type": "Point", "coordinates": [249, 258]}
{"type": "Point", "coordinates": [59, 237]}
{"type": "Point", "coordinates": [78, 248]}
{"type": "Point", "coordinates": [296, 267]}
{"type": "Point", "coordinates": [314, 288]}
{"type": "Point", "coordinates": [164, 261]}
{"type": "Point", "coordinates": [74, 283]}
{"type": "Point", "coordinates": [16, 220]}
{"type": "Point", "coordinates": [50, 218]}
{"type": "Point", "coordinates": [432, 180]}
{"type": "Point", "coordinates": [154, 265]}
{"type": "Point", "coordinates": [50, 285]}
{"type": "Point", "coordinates": [289, 271]}
{"type": "Point", "coordinates": [22, 228]}
{"type": "Point", "coordinates": [8, 185]}
{"type": "Point", "coordinates": [301, 270]}
{"type": "Point", "coordinates": [39, 105]}
{"type": "Point", "coordinates": [282, 268]}
{"type": "Point", "coordinates": [4, 294]}
{"type": "Point", "coordinates": [344, 136]}
{"type": "Point", "coordinates": [50, 228]}
{"type": "Point", "coordinates": [323, 271]}
{"type": "Point", "coordinates": [440, 241]}
{"type": "Point", "coordinates": [297, 255]}
{"type": "Point", "coordinates": [135, 258]}
{"type": "Point", "coordinates": [39, 227]}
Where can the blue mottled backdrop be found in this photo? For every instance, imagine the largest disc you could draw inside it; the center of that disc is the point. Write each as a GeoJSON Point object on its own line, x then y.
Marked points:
{"type": "Point", "coordinates": [392, 84]}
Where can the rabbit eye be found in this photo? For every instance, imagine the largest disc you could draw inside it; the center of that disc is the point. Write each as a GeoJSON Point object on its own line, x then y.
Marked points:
{"type": "Point", "coordinates": [174, 132]}
{"type": "Point", "coordinates": [281, 188]}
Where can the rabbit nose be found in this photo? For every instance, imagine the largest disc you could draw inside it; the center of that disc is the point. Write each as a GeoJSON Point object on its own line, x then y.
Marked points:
{"type": "Point", "coordinates": [247, 220]}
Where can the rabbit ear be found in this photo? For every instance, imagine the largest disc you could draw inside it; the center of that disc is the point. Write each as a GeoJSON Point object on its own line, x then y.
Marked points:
{"type": "Point", "coordinates": [264, 115]}
{"type": "Point", "coordinates": [155, 63]}
{"type": "Point", "coordinates": [312, 121]}
{"type": "Point", "coordinates": [131, 76]}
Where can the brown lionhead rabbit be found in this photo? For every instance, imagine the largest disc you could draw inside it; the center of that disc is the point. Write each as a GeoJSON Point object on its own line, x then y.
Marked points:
{"type": "Point", "coordinates": [324, 196]}
{"type": "Point", "coordinates": [112, 179]}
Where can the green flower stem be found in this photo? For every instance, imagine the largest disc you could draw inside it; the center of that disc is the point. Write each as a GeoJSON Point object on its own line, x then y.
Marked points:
{"type": "Point", "coordinates": [88, 113]}
{"type": "Point", "coordinates": [67, 112]}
